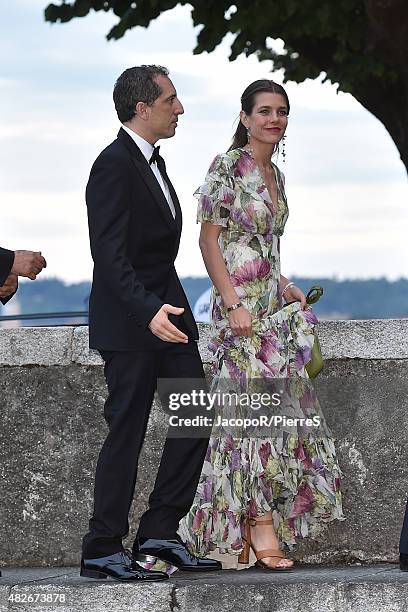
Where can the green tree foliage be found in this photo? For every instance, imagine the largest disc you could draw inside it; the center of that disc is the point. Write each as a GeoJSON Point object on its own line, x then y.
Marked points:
{"type": "Point", "coordinates": [361, 45]}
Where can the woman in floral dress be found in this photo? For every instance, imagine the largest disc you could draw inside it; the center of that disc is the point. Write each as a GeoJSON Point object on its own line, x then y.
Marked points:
{"type": "Point", "coordinates": [263, 491]}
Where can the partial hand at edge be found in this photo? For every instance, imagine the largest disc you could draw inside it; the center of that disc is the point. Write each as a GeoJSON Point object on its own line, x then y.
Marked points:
{"type": "Point", "coordinates": [164, 329]}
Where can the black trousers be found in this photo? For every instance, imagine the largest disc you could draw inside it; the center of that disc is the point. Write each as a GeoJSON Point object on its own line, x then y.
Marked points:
{"type": "Point", "coordinates": [403, 545]}
{"type": "Point", "coordinates": [132, 379]}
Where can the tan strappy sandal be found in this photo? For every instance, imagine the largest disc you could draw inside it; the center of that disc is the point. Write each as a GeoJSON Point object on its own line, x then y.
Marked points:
{"type": "Point", "coordinates": [260, 554]}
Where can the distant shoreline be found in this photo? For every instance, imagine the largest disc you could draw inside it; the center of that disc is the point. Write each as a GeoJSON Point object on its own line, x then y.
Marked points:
{"type": "Point", "coordinates": [343, 299]}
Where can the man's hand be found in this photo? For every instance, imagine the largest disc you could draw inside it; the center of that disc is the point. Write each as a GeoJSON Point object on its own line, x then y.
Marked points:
{"type": "Point", "coordinates": [28, 263]}
{"type": "Point", "coordinates": [10, 286]}
{"type": "Point", "coordinates": [161, 327]}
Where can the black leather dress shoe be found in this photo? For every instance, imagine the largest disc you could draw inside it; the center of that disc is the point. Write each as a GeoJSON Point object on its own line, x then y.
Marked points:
{"type": "Point", "coordinates": [120, 566]}
{"type": "Point", "coordinates": [174, 552]}
{"type": "Point", "coordinates": [403, 562]}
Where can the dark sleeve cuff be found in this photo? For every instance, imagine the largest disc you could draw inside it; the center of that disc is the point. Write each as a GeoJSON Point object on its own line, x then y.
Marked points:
{"type": "Point", "coordinates": [150, 311]}
{"type": "Point", "coordinates": [6, 263]}
{"type": "Point", "coordinates": [6, 299]}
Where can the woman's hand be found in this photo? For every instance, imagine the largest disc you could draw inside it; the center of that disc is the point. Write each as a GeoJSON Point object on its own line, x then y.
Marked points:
{"type": "Point", "coordinates": [240, 321]}
{"type": "Point", "coordinates": [294, 294]}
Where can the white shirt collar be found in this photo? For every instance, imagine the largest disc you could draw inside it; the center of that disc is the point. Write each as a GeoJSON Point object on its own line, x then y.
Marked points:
{"type": "Point", "coordinates": [145, 147]}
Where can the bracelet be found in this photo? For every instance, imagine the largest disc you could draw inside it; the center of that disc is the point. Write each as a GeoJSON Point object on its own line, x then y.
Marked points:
{"type": "Point", "coordinates": [287, 287]}
{"type": "Point", "coordinates": [234, 307]}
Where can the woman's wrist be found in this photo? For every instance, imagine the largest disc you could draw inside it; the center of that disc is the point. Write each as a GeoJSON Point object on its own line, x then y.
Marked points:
{"type": "Point", "coordinates": [286, 288]}
{"type": "Point", "coordinates": [234, 307]}
{"type": "Point", "coordinates": [230, 300]}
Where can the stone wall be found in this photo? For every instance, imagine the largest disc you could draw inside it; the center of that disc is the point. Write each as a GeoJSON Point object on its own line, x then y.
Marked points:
{"type": "Point", "coordinates": [52, 393]}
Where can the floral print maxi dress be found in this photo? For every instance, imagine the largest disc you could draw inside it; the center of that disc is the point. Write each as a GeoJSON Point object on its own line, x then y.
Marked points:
{"type": "Point", "coordinates": [294, 475]}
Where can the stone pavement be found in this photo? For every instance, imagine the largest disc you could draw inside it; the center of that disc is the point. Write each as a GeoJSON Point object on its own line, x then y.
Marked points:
{"type": "Point", "coordinates": [373, 588]}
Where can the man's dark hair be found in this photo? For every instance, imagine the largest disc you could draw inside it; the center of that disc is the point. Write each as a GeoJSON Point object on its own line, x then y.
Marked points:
{"type": "Point", "coordinates": [135, 85]}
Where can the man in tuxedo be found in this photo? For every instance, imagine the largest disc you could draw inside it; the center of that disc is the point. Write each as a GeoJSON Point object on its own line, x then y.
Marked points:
{"type": "Point", "coordinates": [14, 264]}
{"type": "Point", "coordinates": [134, 225]}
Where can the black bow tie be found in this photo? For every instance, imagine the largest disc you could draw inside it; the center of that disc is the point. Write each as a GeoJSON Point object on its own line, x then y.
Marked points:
{"type": "Point", "coordinates": [155, 156]}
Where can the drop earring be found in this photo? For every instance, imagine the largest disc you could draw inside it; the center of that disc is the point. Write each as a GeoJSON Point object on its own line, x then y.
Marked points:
{"type": "Point", "coordinates": [248, 146]}
{"type": "Point", "coordinates": [283, 149]}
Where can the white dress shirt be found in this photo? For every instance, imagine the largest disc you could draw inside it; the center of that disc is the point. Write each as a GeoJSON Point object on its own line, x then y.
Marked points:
{"type": "Point", "coordinates": [147, 150]}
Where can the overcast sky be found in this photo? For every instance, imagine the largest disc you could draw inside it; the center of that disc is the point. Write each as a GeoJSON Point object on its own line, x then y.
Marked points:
{"type": "Point", "coordinates": [346, 185]}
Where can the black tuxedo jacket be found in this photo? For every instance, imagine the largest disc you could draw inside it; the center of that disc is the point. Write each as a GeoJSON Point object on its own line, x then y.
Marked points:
{"type": "Point", "coordinates": [134, 243]}
{"type": "Point", "coordinates": [6, 263]}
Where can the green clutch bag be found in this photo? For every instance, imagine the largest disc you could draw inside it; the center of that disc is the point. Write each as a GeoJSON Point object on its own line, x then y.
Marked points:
{"type": "Point", "coordinates": [315, 365]}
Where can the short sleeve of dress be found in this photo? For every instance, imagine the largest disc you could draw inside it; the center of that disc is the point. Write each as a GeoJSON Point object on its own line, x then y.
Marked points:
{"type": "Point", "coordinates": [216, 194]}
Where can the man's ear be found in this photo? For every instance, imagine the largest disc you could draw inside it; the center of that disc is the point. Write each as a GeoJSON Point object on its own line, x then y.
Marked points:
{"type": "Point", "coordinates": [142, 110]}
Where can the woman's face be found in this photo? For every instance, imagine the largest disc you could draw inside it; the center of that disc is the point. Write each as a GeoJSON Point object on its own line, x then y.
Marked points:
{"type": "Point", "coordinates": [268, 119]}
